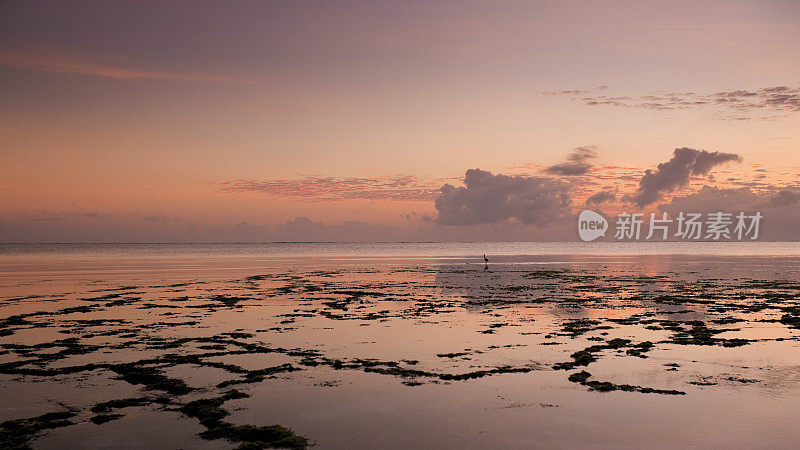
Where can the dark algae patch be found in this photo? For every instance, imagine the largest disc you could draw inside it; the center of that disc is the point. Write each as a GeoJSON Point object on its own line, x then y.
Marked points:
{"type": "Point", "coordinates": [255, 376]}
{"type": "Point", "coordinates": [640, 349]}
{"type": "Point", "coordinates": [125, 403]}
{"type": "Point", "coordinates": [103, 418]}
{"type": "Point", "coordinates": [695, 332]}
{"type": "Point", "coordinates": [151, 378]}
{"type": "Point", "coordinates": [17, 434]}
{"type": "Point", "coordinates": [583, 376]}
{"type": "Point", "coordinates": [578, 327]}
{"type": "Point", "coordinates": [452, 355]}
{"type": "Point", "coordinates": [209, 412]}
{"type": "Point", "coordinates": [590, 354]}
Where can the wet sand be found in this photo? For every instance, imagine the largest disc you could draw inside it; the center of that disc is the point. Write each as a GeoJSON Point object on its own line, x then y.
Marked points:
{"type": "Point", "coordinates": [557, 351]}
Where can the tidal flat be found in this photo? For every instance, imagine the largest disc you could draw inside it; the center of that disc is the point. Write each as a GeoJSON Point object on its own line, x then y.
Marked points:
{"type": "Point", "coordinates": [645, 351]}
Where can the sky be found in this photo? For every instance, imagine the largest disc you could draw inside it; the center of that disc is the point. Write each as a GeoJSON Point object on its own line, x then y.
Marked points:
{"type": "Point", "coordinates": [446, 120]}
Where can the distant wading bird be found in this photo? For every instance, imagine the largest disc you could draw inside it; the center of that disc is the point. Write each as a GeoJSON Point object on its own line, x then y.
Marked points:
{"type": "Point", "coordinates": [485, 262]}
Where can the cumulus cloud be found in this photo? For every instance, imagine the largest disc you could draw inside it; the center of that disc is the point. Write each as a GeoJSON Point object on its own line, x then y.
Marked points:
{"type": "Point", "coordinates": [578, 162]}
{"type": "Point", "coordinates": [601, 197]}
{"type": "Point", "coordinates": [675, 173]}
{"type": "Point", "coordinates": [489, 198]}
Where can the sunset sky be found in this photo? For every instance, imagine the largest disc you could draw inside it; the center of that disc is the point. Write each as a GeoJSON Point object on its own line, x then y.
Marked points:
{"type": "Point", "coordinates": [295, 120]}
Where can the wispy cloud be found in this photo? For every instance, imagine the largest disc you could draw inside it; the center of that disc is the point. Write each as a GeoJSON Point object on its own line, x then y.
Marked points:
{"type": "Point", "coordinates": [75, 66]}
{"type": "Point", "coordinates": [769, 99]}
{"type": "Point", "coordinates": [400, 187]}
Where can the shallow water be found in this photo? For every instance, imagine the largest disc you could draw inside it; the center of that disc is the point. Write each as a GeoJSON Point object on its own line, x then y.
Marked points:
{"type": "Point", "coordinates": [371, 346]}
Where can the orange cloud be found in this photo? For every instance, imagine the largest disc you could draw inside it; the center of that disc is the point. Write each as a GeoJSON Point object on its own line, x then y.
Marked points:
{"type": "Point", "coordinates": [399, 188]}
{"type": "Point", "coordinates": [72, 66]}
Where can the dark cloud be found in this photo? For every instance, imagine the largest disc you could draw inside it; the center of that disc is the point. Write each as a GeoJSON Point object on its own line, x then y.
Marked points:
{"type": "Point", "coordinates": [488, 198]}
{"type": "Point", "coordinates": [155, 217]}
{"type": "Point", "coordinates": [577, 162]}
{"type": "Point", "coordinates": [778, 207]}
{"type": "Point", "coordinates": [711, 198]}
{"type": "Point", "coordinates": [675, 173]}
{"type": "Point", "coordinates": [785, 197]}
{"type": "Point", "coordinates": [400, 187]}
{"type": "Point", "coordinates": [601, 197]}
{"type": "Point", "coordinates": [299, 229]}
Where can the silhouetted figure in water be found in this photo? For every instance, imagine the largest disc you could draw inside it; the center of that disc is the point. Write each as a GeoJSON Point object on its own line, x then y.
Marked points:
{"type": "Point", "coordinates": [485, 263]}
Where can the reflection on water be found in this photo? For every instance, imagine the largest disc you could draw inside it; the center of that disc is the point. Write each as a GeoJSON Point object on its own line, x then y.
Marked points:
{"type": "Point", "coordinates": [378, 349]}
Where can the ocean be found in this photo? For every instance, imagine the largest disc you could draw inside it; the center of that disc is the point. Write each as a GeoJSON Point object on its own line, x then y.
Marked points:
{"type": "Point", "coordinates": [400, 344]}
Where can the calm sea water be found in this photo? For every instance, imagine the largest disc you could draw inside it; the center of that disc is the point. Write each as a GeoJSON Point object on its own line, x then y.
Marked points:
{"type": "Point", "coordinates": [405, 249]}
{"type": "Point", "coordinates": [31, 262]}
